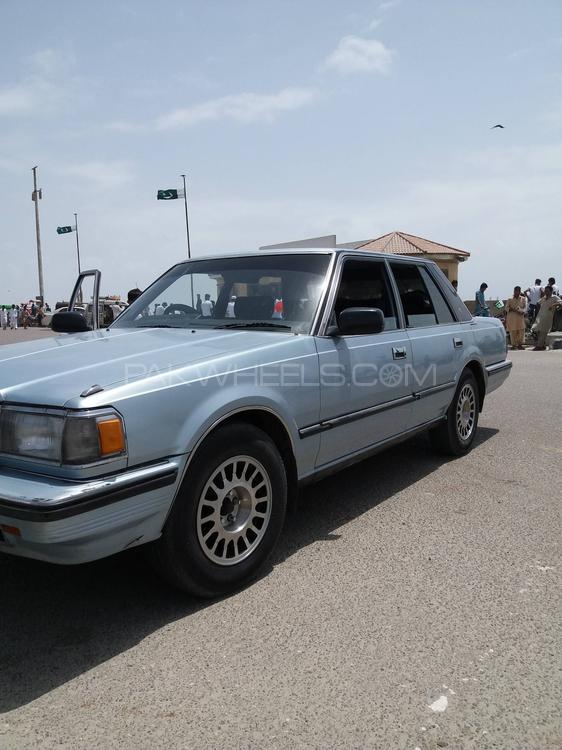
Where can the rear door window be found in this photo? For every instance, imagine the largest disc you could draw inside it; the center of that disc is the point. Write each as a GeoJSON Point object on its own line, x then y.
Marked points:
{"type": "Point", "coordinates": [442, 310]}
{"type": "Point", "coordinates": [414, 295]}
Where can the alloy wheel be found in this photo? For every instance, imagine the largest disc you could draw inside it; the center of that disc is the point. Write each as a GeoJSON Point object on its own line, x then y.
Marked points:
{"type": "Point", "coordinates": [234, 510]}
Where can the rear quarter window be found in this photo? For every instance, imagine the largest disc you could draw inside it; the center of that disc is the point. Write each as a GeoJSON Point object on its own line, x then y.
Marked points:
{"type": "Point", "coordinates": [460, 310]}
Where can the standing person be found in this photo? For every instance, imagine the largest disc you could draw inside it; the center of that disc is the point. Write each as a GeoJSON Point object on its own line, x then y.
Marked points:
{"type": "Point", "coordinates": [207, 306]}
{"type": "Point", "coordinates": [555, 289]}
{"type": "Point", "coordinates": [455, 285]}
{"type": "Point", "coordinates": [516, 307]}
{"type": "Point", "coordinates": [534, 294]}
{"type": "Point", "coordinates": [133, 294]}
{"type": "Point", "coordinates": [115, 311]}
{"type": "Point", "coordinates": [230, 307]}
{"type": "Point", "coordinates": [548, 306]}
{"type": "Point", "coordinates": [481, 308]}
{"type": "Point", "coordinates": [13, 317]}
{"type": "Point", "coordinates": [198, 303]}
{"type": "Point", "coordinates": [3, 318]}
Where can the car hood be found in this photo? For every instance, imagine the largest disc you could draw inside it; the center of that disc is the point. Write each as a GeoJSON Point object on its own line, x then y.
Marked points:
{"type": "Point", "coordinates": [54, 370]}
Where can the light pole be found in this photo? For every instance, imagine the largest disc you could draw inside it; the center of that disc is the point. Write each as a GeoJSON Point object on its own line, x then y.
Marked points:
{"type": "Point", "coordinates": [77, 243]}
{"type": "Point", "coordinates": [36, 196]}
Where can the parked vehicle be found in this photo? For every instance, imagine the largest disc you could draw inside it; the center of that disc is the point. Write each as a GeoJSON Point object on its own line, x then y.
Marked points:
{"type": "Point", "coordinates": [191, 430]}
{"type": "Point", "coordinates": [108, 309]}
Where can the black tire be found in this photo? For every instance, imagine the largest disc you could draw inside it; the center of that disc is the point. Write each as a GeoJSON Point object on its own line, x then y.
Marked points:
{"type": "Point", "coordinates": [452, 438]}
{"type": "Point", "coordinates": [179, 555]}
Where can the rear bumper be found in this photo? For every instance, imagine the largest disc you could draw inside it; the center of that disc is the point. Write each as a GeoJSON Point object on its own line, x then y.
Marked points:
{"type": "Point", "coordinates": [69, 522]}
{"type": "Point", "coordinates": [498, 374]}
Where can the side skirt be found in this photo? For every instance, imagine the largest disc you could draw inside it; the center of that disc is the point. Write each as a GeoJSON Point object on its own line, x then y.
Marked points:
{"type": "Point", "coordinates": [354, 458]}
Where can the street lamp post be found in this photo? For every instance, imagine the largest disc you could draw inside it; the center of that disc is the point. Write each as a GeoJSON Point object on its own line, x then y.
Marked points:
{"type": "Point", "coordinates": [36, 197]}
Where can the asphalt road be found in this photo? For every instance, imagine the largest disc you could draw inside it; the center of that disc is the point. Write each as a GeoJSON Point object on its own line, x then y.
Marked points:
{"type": "Point", "coordinates": [10, 336]}
{"type": "Point", "coordinates": [413, 602]}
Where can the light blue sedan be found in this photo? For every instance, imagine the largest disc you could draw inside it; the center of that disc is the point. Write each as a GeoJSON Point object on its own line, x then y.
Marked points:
{"type": "Point", "coordinates": [191, 422]}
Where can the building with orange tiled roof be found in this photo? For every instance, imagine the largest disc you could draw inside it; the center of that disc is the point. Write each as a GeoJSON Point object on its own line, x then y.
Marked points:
{"type": "Point", "coordinates": [394, 243]}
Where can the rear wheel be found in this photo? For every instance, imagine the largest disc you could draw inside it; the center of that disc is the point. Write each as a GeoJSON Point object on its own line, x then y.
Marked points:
{"type": "Point", "coordinates": [456, 435]}
{"type": "Point", "coordinates": [228, 514]}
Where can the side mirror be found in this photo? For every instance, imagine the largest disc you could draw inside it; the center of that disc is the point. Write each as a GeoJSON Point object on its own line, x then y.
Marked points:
{"type": "Point", "coordinates": [354, 320]}
{"type": "Point", "coordinates": [69, 322]}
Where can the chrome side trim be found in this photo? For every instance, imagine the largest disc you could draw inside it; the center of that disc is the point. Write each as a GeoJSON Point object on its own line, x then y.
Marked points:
{"type": "Point", "coordinates": [499, 367]}
{"type": "Point", "coordinates": [435, 389]}
{"type": "Point", "coordinates": [352, 416]}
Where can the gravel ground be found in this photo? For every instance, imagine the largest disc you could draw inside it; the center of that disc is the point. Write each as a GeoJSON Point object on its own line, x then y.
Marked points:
{"type": "Point", "coordinates": [414, 602]}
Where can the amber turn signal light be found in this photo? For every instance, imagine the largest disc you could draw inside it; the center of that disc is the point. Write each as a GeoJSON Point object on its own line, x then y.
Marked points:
{"type": "Point", "coordinates": [13, 530]}
{"type": "Point", "coordinates": [112, 438]}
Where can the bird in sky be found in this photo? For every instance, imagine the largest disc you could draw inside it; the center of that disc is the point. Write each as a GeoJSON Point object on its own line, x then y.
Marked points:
{"type": "Point", "coordinates": [497, 126]}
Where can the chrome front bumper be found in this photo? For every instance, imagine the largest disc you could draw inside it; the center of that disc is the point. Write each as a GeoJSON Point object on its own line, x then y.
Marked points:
{"type": "Point", "coordinates": [64, 521]}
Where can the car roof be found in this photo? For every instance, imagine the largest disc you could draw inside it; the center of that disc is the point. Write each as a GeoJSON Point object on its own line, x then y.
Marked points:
{"type": "Point", "coordinates": [314, 251]}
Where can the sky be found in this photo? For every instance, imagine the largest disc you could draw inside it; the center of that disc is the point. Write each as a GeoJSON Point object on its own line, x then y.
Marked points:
{"type": "Point", "coordinates": [290, 119]}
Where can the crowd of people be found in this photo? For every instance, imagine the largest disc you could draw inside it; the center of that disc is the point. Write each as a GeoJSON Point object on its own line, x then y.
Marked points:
{"type": "Point", "coordinates": [535, 308]}
{"type": "Point", "coordinates": [23, 315]}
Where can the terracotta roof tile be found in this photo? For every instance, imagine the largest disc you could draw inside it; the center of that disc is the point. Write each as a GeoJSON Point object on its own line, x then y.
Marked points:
{"type": "Point", "coordinates": [400, 243]}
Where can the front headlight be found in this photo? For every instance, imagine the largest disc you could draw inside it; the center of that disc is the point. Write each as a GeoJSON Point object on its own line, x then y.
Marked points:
{"type": "Point", "coordinates": [68, 438]}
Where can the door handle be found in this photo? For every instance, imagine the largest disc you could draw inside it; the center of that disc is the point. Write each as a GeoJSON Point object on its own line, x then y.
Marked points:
{"type": "Point", "coordinates": [399, 352]}
{"type": "Point", "coordinates": [458, 343]}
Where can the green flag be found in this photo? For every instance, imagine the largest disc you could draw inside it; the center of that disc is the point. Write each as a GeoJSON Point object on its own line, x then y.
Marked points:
{"type": "Point", "coordinates": [64, 230]}
{"type": "Point", "coordinates": [167, 195]}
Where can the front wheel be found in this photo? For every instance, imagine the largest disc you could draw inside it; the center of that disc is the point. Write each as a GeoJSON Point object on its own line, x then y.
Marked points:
{"type": "Point", "coordinates": [456, 435]}
{"type": "Point", "coordinates": [228, 514]}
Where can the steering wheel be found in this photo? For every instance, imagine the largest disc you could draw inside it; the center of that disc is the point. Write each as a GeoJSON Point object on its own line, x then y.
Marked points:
{"type": "Point", "coordinates": [180, 309]}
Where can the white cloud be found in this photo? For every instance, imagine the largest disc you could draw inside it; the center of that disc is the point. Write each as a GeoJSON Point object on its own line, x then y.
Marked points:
{"type": "Point", "coordinates": [243, 108]}
{"type": "Point", "coordinates": [16, 100]}
{"type": "Point", "coordinates": [40, 91]}
{"type": "Point", "coordinates": [388, 4]}
{"type": "Point", "coordinates": [124, 126]}
{"type": "Point", "coordinates": [553, 118]}
{"type": "Point", "coordinates": [103, 175]}
{"type": "Point", "coordinates": [50, 63]}
{"type": "Point", "coordinates": [374, 24]}
{"type": "Point", "coordinates": [357, 55]}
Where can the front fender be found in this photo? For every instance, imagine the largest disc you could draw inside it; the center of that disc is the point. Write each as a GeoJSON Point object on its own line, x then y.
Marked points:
{"type": "Point", "coordinates": [170, 412]}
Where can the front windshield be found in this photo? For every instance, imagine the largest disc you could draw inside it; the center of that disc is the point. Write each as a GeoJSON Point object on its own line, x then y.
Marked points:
{"type": "Point", "coordinates": [276, 292]}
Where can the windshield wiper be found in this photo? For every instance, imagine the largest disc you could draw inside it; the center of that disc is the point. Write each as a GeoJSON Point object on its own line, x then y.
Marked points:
{"type": "Point", "coordinates": [255, 325]}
